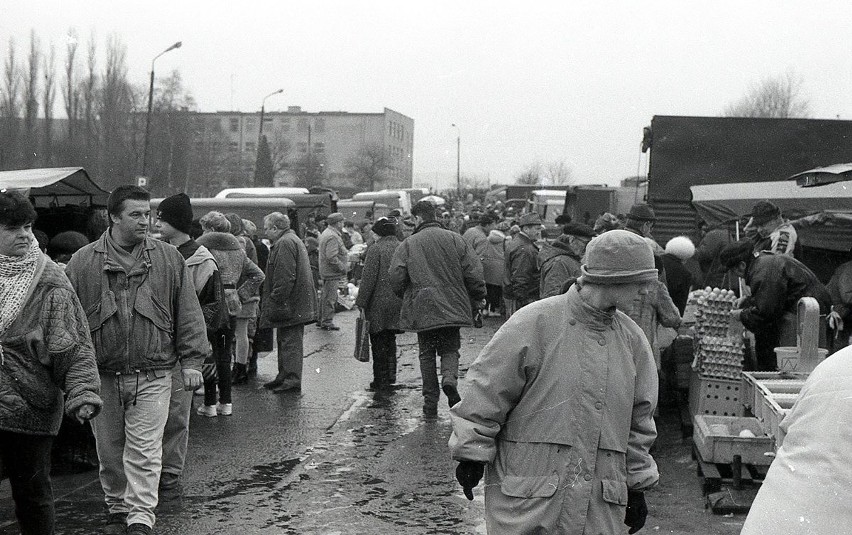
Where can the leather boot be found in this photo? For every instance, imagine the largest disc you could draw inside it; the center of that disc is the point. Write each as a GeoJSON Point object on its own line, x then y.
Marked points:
{"type": "Point", "coordinates": [239, 375]}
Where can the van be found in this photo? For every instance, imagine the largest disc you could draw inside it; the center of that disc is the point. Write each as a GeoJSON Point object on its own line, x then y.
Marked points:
{"type": "Point", "coordinates": [259, 192]}
{"type": "Point", "coordinates": [394, 199]}
{"type": "Point", "coordinates": [253, 209]}
{"type": "Point", "coordinates": [356, 211]}
{"type": "Point", "coordinates": [549, 204]}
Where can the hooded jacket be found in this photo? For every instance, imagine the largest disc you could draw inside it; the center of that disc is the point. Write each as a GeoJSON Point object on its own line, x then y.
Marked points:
{"type": "Point", "coordinates": [560, 405]}
{"type": "Point", "coordinates": [558, 264]}
{"type": "Point", "coordinates": [235, 268]}
{"type": "Point", "coordinates": [437, 275]}
{"type": "Point", "coordinates": [493, 261]}
{"type": "Point", "coordinates": [522, 276]}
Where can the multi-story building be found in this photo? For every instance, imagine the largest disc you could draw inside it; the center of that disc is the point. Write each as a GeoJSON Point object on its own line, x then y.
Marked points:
{"type": "Point", "coordinates": [333, 138]}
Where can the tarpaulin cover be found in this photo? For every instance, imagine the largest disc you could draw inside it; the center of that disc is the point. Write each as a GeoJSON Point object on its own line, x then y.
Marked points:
{"type": "Point", "coordinates": [831, 204]}
{"type": "Point", "coordinates": [695, 151]}
{"type": "Point", "coordinates": [55, 186]}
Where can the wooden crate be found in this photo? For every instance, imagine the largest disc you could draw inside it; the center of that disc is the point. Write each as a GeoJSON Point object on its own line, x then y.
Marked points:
{"type": "Point", "coordinates": [714, 397]}
{"type": "Point", "coordinates": [717, 439]}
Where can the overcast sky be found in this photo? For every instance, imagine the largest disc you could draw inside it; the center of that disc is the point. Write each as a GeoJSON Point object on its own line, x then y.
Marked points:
{"type": "Point", "coordinates": [525, 81]}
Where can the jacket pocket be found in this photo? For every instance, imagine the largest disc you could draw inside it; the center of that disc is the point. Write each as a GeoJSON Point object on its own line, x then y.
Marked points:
{"type": "Point", "coordinates": [29, 377]}
{"type": "Point", "coordinates": [104, 328]}
{"type": "Point", "coordinates": [532, 486]}
{"type": "Point", "coordinates": [154, 337]}
{"type": "Point", "coordinates": [614, 492]}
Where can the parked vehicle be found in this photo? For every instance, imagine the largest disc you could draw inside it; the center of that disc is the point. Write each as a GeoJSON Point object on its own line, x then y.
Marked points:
{"type": "Point", "coordinates": [394, 199]}
{"type": "Point", "coordinates": [259, 192]}
{"type": "Point", "coordinates": [357, 210]}
{"type": "Point", "coordinates": [252, 208]}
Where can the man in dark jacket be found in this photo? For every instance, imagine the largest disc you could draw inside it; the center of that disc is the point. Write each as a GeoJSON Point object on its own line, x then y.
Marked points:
{"type": "Point", "coordinates": [777, 282]}
{"type": "Point", "coordinates": [144, 317]}
{"type": "Point", "coordinates": [522, 273]}
{"type": "Point", "coordinates": [289, 300]}
{"type": "Point", "coordinates": [437, 275]}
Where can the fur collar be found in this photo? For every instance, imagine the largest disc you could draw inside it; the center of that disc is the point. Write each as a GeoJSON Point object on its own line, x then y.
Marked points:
{"type": "Point", "coordinates": [220, 241]}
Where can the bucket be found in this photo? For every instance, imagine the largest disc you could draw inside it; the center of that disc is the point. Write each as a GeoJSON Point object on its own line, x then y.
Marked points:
{"type": "Point", "coordinates": [788, 359]}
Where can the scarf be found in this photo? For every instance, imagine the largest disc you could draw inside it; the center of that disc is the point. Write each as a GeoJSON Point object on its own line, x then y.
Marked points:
{"type": "Point", "coordinates": [127, 260]}
{"type": "Point", "coordinates": [16, 277]}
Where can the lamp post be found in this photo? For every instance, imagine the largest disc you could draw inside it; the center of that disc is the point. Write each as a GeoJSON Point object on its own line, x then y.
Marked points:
{"type": "Point", "coordinates": [150, 105]}
{"type": "Point", "coordinates": [458, 157]}
{"type": "Point", "coordinates": [262, 110]}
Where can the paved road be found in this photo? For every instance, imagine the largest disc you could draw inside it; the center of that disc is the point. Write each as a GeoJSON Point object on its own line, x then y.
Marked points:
{"type": "Point", "coordinates": [337, 459]}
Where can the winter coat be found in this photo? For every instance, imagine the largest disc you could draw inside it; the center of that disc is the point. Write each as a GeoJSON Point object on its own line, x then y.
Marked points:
{"type": "Point", "coordinates": [493, 263]}
{"type": "Point", "coordinates": [147, 319]}
{"type": "Point", "coordinates": [806, 490]}
{"type": "Point", "coordinates": [207, 282]}
{"type": "Point", "coordinates": [289, 297]}
{"type": "Point", "coordinates": [437, 275]}
{"type": "Point", "coordinates": [477, 239]}
{"type": "Point", "coordinates": [239, 274]}
{"type": "Point", "coordinates": [46, 352]}
{"type": "Point", "coordinates": [678, 280]}
{"type": "Point", "coordinates": [375, 294]}
{"type": "Point", "coordinates": [654, 308]}
{"type": "Point", "coordinates": [333, 256]}
{"type": "Point", "coordinates": [558, 264]}
{"type": "Point", "coordinates": [560, 405]}
{"type": "Point", "coordinates": [522, 277]}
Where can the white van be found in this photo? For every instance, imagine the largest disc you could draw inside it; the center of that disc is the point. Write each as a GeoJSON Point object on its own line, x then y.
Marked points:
{"type": "Point", "coordinates": [398, 199]}
{"type": "Point", "coordinates": [259, 192]}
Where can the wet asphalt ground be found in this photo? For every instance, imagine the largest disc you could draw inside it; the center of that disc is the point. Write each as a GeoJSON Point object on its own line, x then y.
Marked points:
{"type": "Point", "coordinates": [339, 459]}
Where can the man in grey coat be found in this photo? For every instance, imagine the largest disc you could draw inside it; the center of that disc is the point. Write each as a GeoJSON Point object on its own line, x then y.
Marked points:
{"type": "Point", "coordinates": [289, 299]}
{"type": "Point", "coordinates": [333, 268]}
{"type": "Point", "coordinates": [437, 275]}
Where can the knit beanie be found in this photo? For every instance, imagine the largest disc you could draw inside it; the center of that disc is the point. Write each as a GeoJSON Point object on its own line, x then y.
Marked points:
{"type": "Point", "coordinates": [177, 212]}
{"type": "Point", "coordinates": [681, 247]}
{"type": "Point", "coordinates": [618, 257]}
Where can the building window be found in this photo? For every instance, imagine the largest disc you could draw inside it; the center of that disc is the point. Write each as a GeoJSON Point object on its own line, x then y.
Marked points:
{"type": "Point", "coordinates": [285, 124]}
{"type": "Point", "coordinates": [250, 123]}
{"type": "Point", "coordinates": [319, 148]}
{"type": "Point", "coordinates": [233, 146]}
{"type": "Point", "coordinates": [302, 147]}
{"type": "Point", "coordinates": [319, 126]}
{"type": "Point", "coordinates": [250, 146]}
{"type": "Point", "coordinates": [235, 125]}
{"type": "Point", "coordinates": [267, 120]}
{"type": "Point", "coordinates": [303, 125]}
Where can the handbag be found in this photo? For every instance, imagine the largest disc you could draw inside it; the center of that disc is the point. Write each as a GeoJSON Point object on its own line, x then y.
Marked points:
{"type": "Point", "coordinates": [362, 338]}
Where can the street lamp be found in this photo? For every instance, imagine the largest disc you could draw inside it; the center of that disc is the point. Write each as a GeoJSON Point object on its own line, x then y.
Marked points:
{"type": "Point", "coordinates": [150, 105]}
{"type": "Point", "coordinates": [262, 110]}
{"type": "Point", "coordinates": [458, 157]}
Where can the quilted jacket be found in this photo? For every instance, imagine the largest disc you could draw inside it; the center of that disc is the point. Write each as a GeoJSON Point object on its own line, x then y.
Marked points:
{"type": "Point", "coordinates": [46, 352]}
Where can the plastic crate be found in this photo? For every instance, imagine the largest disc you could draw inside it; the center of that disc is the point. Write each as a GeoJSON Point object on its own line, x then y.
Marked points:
{"type": "Point", "coordinates": [714, 397]}
{"type": "Point", "coordinates": [717, 439]}
{"type": "Point", "coordinates": [750, 380]}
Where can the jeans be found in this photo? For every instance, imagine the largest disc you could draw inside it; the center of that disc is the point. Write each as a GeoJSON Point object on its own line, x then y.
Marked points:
{"type": "Point", "coordinates": [328, 301]}
{"type": "Point", "coordinates": [129, 439]}
{"type": "Point", "coordinates": [222, 356]}
{"type": "Point", "coordinates": [290, 354]}
{"type": "Point", "coordinates": [26, 459]}
{"type": "Point", "coordinates": [176, 432]}
{"type": "Point", "coordinates": [383, 347]}
{"type": "Point", "coordinates": [444, 343]}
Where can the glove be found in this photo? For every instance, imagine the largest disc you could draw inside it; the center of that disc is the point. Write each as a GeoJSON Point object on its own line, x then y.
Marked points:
{"type": "Point", "coordinates": [835, 322]}
{"type": "Point", "coordinates": [468, 474]}
{"type": "Point", "coordinates": [637, 510]}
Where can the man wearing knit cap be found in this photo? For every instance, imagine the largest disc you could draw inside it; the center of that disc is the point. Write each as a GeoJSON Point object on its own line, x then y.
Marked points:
{"type": "Point", "coordinates": [773, 233]}
{"type": "Point", "coordinates": [560, 261]}
{"type": "Point", "coordinates": [558, 409]}
{"type": "Point", "coordinates": [174, 221]}
{"type": "Point", "coordinates": [333, 268]}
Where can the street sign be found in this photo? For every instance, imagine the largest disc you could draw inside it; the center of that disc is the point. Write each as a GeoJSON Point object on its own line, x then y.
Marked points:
{"type": "Point", "coordinates": [141, 181]}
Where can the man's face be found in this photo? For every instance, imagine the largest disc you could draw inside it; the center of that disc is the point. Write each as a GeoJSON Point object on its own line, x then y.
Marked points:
{"type": "Point", "coordinates": [533, 231]}
{"type": "Point", "coordinates": [272, 232]}
{"type": "Point", "coordinates": [339, 226]}
{"type": "Point", "coordinates": [626, 295]}
{"type": "Point", "coordinates": [130, 226]}
{"type": "Point", "coordinates": [16, 240]}
{"type": "Point", "coordinates": [166, 230]}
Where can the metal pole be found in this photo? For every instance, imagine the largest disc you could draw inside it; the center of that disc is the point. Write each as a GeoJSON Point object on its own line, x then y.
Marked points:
{"type": "Point", "coordinates": [148, 122]}
{"type": "Point", "coordinates": [458, 162]}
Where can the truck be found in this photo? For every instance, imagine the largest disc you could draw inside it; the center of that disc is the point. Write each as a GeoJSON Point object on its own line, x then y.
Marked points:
{"type": "Point", "coordinates": [695, 151]}
{"type": "Point", "coordinates": [583, 203]}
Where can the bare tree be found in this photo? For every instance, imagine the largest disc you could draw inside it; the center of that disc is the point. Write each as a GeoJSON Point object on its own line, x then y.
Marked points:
{"type": "Point", "coordinates": [90, 105]}
{"type": "Point", "coordinates": [48, 100]}
{"type": "Point", "coordinates": [557, 174]}
{"type": "Point", "coordinates": [116, 106]}
{"type": "Point", "coordinates": [531, 175]}
{"type": "Point", "coordinates": [12, 80]}
{"type": "Point", "coordinates": [31, 101]}
{"type": "Point", "coordinates": [775, 97]}
{"type": "Point", "coordinates": [280, 149]}
{"type": "Point", "coordinates": [368, 167]}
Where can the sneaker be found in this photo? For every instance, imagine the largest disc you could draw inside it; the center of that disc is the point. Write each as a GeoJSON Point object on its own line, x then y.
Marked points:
{"type": "Point", "coordinates": [452, 393]}
{"type": "Point", "coordinates": [225, 409]}
{"type": "Point", "coordinates": [116, 524]}
{"type": "Point", "coordinates": [138, 529]}
{"type": "Point", "coordinates": [207, 410]}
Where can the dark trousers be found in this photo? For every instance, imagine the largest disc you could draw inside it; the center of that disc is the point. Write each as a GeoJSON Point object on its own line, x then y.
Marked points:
{"type": "Point", "coordinates": [383, 346]}
{"type": "Point", "coordinates": [26, 460]}
{"type": "Point", "coordinates": [443, 343]}
{"type": "Point", "coordinates": [494, 297]}
{"type": "Point", "coordinates": [222, 356]}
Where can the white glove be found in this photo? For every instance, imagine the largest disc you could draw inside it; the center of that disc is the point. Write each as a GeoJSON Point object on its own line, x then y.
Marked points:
{"type": "Point", "coordinates": [835, 322]}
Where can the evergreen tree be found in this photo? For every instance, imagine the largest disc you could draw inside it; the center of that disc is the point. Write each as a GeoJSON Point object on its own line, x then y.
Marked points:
{"type": "Point", "coordinates": [263, 172]}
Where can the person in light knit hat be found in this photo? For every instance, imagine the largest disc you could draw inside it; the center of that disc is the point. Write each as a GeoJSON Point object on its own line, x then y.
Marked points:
{"type": "Point", "coordinates": [558, 409]}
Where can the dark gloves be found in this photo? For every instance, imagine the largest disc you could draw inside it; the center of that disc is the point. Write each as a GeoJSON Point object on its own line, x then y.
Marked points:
{"type": "Point", "coordinates": [468, 474]}
{"type": "Point", "coordinates": [637, 510]}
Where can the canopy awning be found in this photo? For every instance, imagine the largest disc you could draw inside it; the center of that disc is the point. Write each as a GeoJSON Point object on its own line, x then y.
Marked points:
{"type": "Point", "coordinates": [55, 186]}
{"type": "Point", "coordinates": [821, 176]}
{"type": "Point", "coordinates": [723, 203]}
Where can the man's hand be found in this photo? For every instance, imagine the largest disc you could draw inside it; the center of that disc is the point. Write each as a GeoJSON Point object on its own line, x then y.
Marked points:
{"type": "Point", "coordinates": [637, 510]}
{"type": "Point", "coordinates": [468, 474]}
{"type": "Point", "coordinates": [85, 413]}
{"type": "Point", "coordinates": [192, 379]}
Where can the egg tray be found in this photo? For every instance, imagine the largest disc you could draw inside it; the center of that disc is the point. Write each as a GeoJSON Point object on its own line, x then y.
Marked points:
{"type": "Point", "coordinates": [717, 439]}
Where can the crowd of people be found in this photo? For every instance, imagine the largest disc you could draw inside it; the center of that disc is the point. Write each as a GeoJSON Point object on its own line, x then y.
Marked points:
{"type": "Point", "coordinates": [565, 391]}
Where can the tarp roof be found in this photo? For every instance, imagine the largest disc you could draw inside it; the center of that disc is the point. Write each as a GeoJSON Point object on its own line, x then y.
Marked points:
{"type": "Point", "coordinates": [720, 203]}
{"type": "Point", "coordinates": [823, 175]}
{"type": "Point", "coordinates": [55, 186]}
